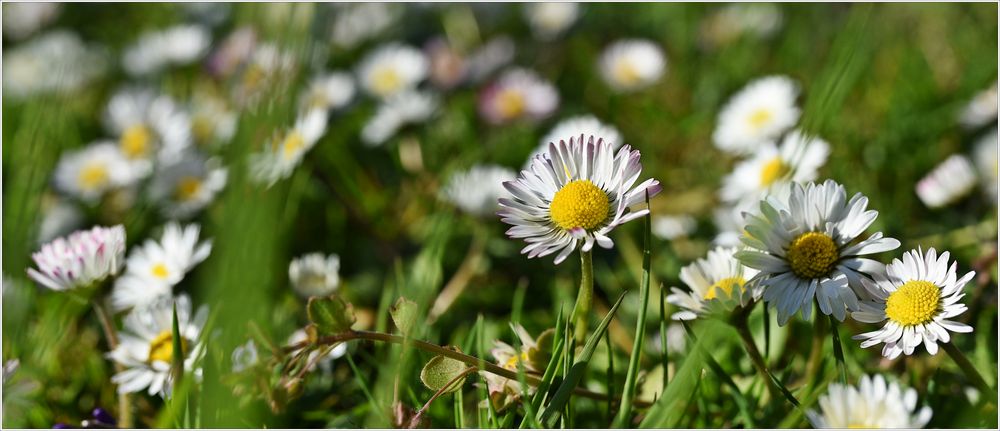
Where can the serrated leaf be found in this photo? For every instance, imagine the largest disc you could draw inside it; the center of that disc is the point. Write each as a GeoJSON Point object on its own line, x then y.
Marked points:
{"type": "Point", "coordinates": [441, 371]}
{"type": "Point", "coordinates": [331, 315]}
{"type": "Point", "coordinates": [404, 314]}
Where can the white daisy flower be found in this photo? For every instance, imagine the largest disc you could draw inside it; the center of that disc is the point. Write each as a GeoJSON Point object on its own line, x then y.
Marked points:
{"type": "Point", "coordinates": [760, 112]}
{"type": "Point", "coordinates": [950, 181]}
{"type": "Point", "coordinates": [516, 94]}
{"type": "Point", "coordinates": [548, 20]}
{"type": "Point", "coordinates": [83, 258]}
{"type": "Point", "coordinates": [716, 285]}
{"type": "Point", "coordinates": [410, 107]}
{"type": "Point", "coordinates": [21, 20]}
{"type": "Point", "coordinates": [759, 20]}
{"type": "Point", "coordinates": [55, 62]}
{"type": "Point", "coordinates": [573, 196]}
{"type": "Point", "coordinates": [159, 49]}
{"type": "Point", "coordinates": [873, 404]}
{"type": "Point", "coordinates": [330, 353]}
{"type": "Point", "coordinates": [90, 172]}
{"type": "Point", "coordinates": [916, 298]}
{"type": "Point", "coordinates": [392, 69]}
{"type": "Point", "coordinates": [676, 339]}
{"type": "Point", "coordinates": [232, 52]}
{"type": "Point", "coordinates": [186, 186]}
{"type": "Point", "coordinates": [632, 64]}
{"type": "Point", "coordinates": [985, 155]}
{"type": "Point", "coordinates": [59, 217]}
{"type": "Point", "coordinates": [329, 91]}
{"type": "Point", "coordinates": [798, 159]}
{"type": "Point", "coordinates": [477, 190]}
{"type": "Point", "coordinates": [213, 122]}
{"type": "Point", "coordinates": [154, 268]}
{"type": "Point", "coordinates": [981, 110]}
{"type": "Point", "coordinates": [269, 69]}
{"type": "Point", "coordinates": [148, 127]}
{"type": "Point", "coordinates": [490, 57]}
{"type": "Point", "coordinates": [728, 222]}
{"type": "Point", "coordinates": [146, 345]}
{"type": "Point", "coordinates": [244, 356]}
{"type": "Point", "coordinates": [533, 356]}
{"type": "Point", "coordinates": [588, 125]}
{"type": "Point", "coordinates": [285, 152]}
{"type": "Point", "coordinates": [671, 227]}
{"type": "Point", "coordinates": [354, 23]}
{"type": "Point", "coordinates": [804, 247]}
{"type": "Point", "coordinates": [315, 274]}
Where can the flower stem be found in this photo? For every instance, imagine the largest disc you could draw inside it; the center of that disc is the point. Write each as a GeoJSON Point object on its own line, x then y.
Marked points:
{"type": "Point", "coordinates": [742, 327]}
{"type": "Point", "coordinates": [125, 399]}
{"type": "Point", "coordinates": [584, 298]}
{"type": "Point", "coordinates": [970, 371]}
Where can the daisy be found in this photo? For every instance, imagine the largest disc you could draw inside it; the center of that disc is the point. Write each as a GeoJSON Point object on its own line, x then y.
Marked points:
{"type": "Point", "coordinates": [489, 58]}
{"type": "Point", "coordinates": [671, 227]}
{"type": "Point", "coordinates": [411, 107]}
{"type": "Point", "coordinates": [146, 346]}
{"type": "Point", "coordinates": [516, 94]}
{"type": "Point", "coordinates": [533, 357]}
{"type": "Point", "coordinates": [80, 260]}
{"type": "Point", "coordinates": [573, 196]}
{"type": "Point", "coordinates": [392, 69]}
{"type": "Point", "coordinates": [916, 298]}
{"type": "Point", "coordinates": [234, 51]}
{"type": "Point", "coordinates": [354, 23]}
{"type": "Point", "coordinates": [269, 69]}
{"type": "Point", "coordinates": [985, 154]}
{"type": "Point", "coordinates": [148, 127]}
{"type": "Point", "coordinates": [213, 122]}
{"type": "Point", "coordinates": [804, 247]}
{"type": "Point", "coordinates": [548, 20]}
{"type": "Point", "coordinates": [798, 159]}
{"type": "Point", "coordinates": [153, 269]}
{"type": "Point", "coordinates": [760, 112]}
{"type": "Point", "coordinates": [873, 404]}
{"type": "Point", "coordinates": [329, 352]}
{"type": "Point", "coordinates": [315, 274]}
{"type": "Point", "coordinates": [329, 91]}
{"type": "Point", "coordinates": [57, 62]}
{"type": "Point", "coordinates": [92, 171]}
{"type": "Point", "coordinates": [284, 152]}
{"type": "Point", "coordinates": [632, 64]}
{"type": "Point", "coordinates": [981, 110]}
{"type": "Point", "coordinates": [950, 181]}
{"type": "Point", "coordinates": [477, 190]}
{"type": "Point", "coordinates": [716, 285]}
{"type": "Point", "coordinates": [21, 20]}
{"type": "Point", "coordinates": [758, 20]}
{"type": "Point", "coordinates": [156, 50]}
{"type": "Point", "coordinates": [588, 125]}
{"type": "Point", "coordinates": [186, 186]}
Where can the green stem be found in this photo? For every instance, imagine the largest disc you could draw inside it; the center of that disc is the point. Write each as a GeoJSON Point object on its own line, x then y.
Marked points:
{"type": "Point", "coordinates": [969, 370]}
{"type": "Point", "coordinates": [838, 350]}
{"type": "Point", "coordinates": [632, 375]}
{"type": "Point", "coordinates": [742, 327]}
{"type": "Point", "coordinates": [124, 400]}
{"type": "Point", "coordinates": [584, 298]}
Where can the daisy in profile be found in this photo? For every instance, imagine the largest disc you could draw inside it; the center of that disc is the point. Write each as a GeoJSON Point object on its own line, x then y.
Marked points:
{"type": "Point", "coordinates": [805, 247]}
{"type": "Point", "coordinates": [154, 268]}
{"type": "Point", "coordinates": [949, 182]}
{"type": "Point", "coordinates": [548, 20]}
{"type": "Point", "coordinates": [146, 348]}
{"type": "Point", "coordinates": [285, 151]}
{"type": "Point", "coordinates": [517, 94]}
{"type": "Point", "coordinates": [159, 49]}
{"type": "Point", "coordinates": [392, 69]}
{"type": "Point", "coordinates": [573, 196]}
{"type": "Point", "coordinates": [80, 260]}
{"type": "Point", "coordinates": [985, 155]}
{"type": "Point", "coordinates": [533, 357]}
{"type": "Point", "coordinates": [670, 227]}
{"type": "Point", "coordinates": [588, 125]}
{"type": "Point", "coordinates": [315, 274]}
{"type": "Point", "coordinates": [798, 159]}
{"type": "Point", "coordinates": [148, 127]}
{"type": "Point", "coordinates": [328, 92]}
{"type": "Point", "coordinates": [92, 171]}
{"type": "Point", "coordinates": [915, 298]}
{"type": "Point", "coordinates": [186, 186]}
{"type": "Point", "coordinates": [396, 112]}
{"type": "Point", "coordinates": [872, 404]}
{"type": "Point", "coordinates": [981, 110]}
{"type": "Point", "coordinates": [477, 190]}
{"type": "Point", "coordinates": [632, 64]}
{"type": "Point", "coordinates": [716, 285]}
{"type": "Point", "coordinates": [759, 113]}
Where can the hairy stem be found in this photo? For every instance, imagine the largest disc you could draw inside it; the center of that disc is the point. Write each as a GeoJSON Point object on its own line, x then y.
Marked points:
{"type": "Point", "coordinates": [125, 399]}
{"type": "Point", "coordinates": [584, 298]}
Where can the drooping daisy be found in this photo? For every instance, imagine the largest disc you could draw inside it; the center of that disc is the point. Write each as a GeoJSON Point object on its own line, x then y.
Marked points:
{"type": "Point", "coordinates": [533, 357]}
{"type": "Point", "coordinates": [588, 125]}
{"type": "Point", "coordinates": [315, 274]}
{"type": "Point", "coordinates": [146, 348]}
{"type": "Point", "coordinates": [83, 258]}
{"type": "Point", "coordinates": [92, 171]}
{"type": "Point", "coordinates": [873, 404]}
{"type": "Point", "coordinates": [154, 268]}
{"type": "Point", "coordinates": [632, 64]}
{"type": "Point", "coordinates": [159, 49]}
{"type": "Point", "coordinates": [548, 20]}
{"type": "Point", "coordinates": [213, 122]}
{"type": "Point", "coordinates": [392, 69]}
{"type": "Point", "coordinates": [760, 112]}
{"type": "Point", "coordinates": [21, 20]}
{"type": "Point", "coordinates": [517, 94]}
{"type": "Point", "coordinates": [985, 154]}
{"type": "Point", "coordinates": [148, 127]}
{"type": "Point", "coordinates": [981, 110]}
{"type": "Point", "coordinates": [573, 196]}
{"type": "Point", "coordinates": [410, 107]}
{"type": "Point", "coordinates": [284, 152]}
{"type": "Point", "coordinates": [329, 91]}
{"type": "Point", "coordinates": [186, 186]}
{"type": "Point", "coordinates": [717, 285]}
{"type": "Point", "coordinates": [804, 247]}
{"type": "Point", "coordinates": [798, 159]}
{"type": "Point", "coordinates": [477, 190]}
{"type": "Point", "coordinates": [758, 20]}
{"type": "Point", "coordinates": [56, 62]}
{"type": "Point", "coordinates": [916, 298]}
{"type": "Point", "coordinates": [950, 181]}
{"type": "Point", "coordinates": [669, 227]}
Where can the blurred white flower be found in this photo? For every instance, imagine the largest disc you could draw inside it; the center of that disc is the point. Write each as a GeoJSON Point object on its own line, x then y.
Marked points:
{"type": "Point", "coordinates": [60, 216]}
{"type": "Point", "coordinates": [532, 357]}
{"type": "Point", "coordinates": [477, 190]}
{"type": "Point", "coordinates": [329, 353]}
{"type": "Point", "coordinates": [392, 69]}
{"type": "Point", "coordinates": [759, 113]}
{"type": "Point", "coordinates": [213, 122]}
{"type": "Point", "coordinates": [517, 94]}
{"type": "Point", "coordinates": [981, 110]}
{"type": "Point", "coordinates": [588, 125]}
{"type": "Point", "coordinates": [354, 23]}
{"type": "Point", "coordinates": [632, 64]}
{"type": "Point", "coordinates": [83, 258]}
{"type": "Point", "coordinates": [285, 151]}
{"type": "Point", "coordinates": [729, 224]}
{"type": "Point", "coordinates": [950, 181]}
{"type": "Point", "coordinates": [21, 20]}
{"type": "Point", "coordinates": [183, 187]}
{"type": "Point", "coordinates": [985, 155]}
{"type": "Point", "coordinates": [159, 49]}
{"type": "Point", "coordinates": [671, 227]}
{"type": "Point", "coordinates": [798, 159]}
{"type": "Point", "coordinates": [548, 20]}
{"type": "Point", "coordinates": [490, 57]}
{"type": "Point", "coordinates": [716, 285]}
{"type": "Point", "coordinates": [154, 268]}
{"type": "Point", "coordinates": [329, 91]}
{"type": "Point", "coordinates": [244, 356]}
{"type": "Point", "coordinates": [149, 127]}
{"type": "Point", "coordinates": [315, 274]}
{"type": "Point", "coordinates": [729, 23]}
{"type": "Point", "coordinates": [235, 50]}
{"type": "Point", "coordinates": [873, 404]}
{"type": "Point", "coordinates": [411, 107]}
{"type": "Point", "coordinates": [676, 339]}
{"type": "Point", "coordinates": [55, 62]}
{"type": "Point", "coordinates": [450, 68]}
{"type": "Point", "coordinates": [90, 172]}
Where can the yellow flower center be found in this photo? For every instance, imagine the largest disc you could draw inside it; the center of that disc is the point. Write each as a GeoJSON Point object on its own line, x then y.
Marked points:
{"type": "Point", "coordinates": [135, 141]}
{"type": "Point", "coordinates": [626, 73]}
{"type": "Point", "coordinates": [292, 144]}
{"type": "Point", "coordinates": [913, 303]}
{"type": "Point", "coordinates": [160, 271]}
{"type": "Point", "coordinates": [162, 347]}
{"type": "Point", "coordinates": [773, 171]}
{"type": "Point", "coordinates": [760, 118]}
{"type": "Point", "coordinates": [386, 80]}
{"type": "Point", "coordinates": [726, 286]}
{"type": "Point", "coordinates": [511, 363]}
{"type": "Point", "coordinates": [202, 128]}
{"type": "Point", "coordinates": [253, 77]}
{"type": "Point", "coordinates": [510, 103]}
{"type": "Point", "coordinates": [187, 188]}
{"type": "Point", "coordinates": [93, 176]}
{"type": "Point", "coordinates": [812, 255]}
{"type": "Point", "coordinates": [579, 204]}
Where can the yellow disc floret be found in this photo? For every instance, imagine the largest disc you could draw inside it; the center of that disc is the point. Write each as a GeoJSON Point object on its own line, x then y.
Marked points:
{"type": "Point", "coordinates": [773, 171]}
{"type": "Point", "coordinates": [760, 118]}
{"type": "Point", "coordinates": [914, 303]}
{"type": "Point", "coordinates": [135, 141]}
{"type": "Point", "coordinates": [579, 204]}
{"type": "Point", "coordinates": [292, 145]}
{"type": "Point", "coordinates": [187, 188]}
{"type": "Point", "coordinates": [93, 176]}
{"type": "Point", "coordinates": [812, 255]}
{"type": "Point", "coordinates": [626, 73]}
{"type": "Point", "coordinates": [160, 271]}
{"type": "Point", "coordinates": [726, 286]}
{"type": "Point", "coordinates": [162, 347]}
{"type": "Point", "coordinates": [510, 102]}
{"type": "Point", "coordinates": [386, 81]}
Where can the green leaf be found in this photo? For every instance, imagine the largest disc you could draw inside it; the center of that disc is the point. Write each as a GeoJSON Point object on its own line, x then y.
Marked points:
{"type": "Point", "coordinates": [442, 371]}
{"type": "Point", "coordinates": [331, 315]}
{"type": "Point", "coordinates": [177, 360]}
{"type": "Point", "coordinates": [404, 314]}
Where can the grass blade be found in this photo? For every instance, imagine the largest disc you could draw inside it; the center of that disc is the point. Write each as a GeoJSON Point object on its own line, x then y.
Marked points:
{"type": "Point", "coordinates": [838, 350]}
